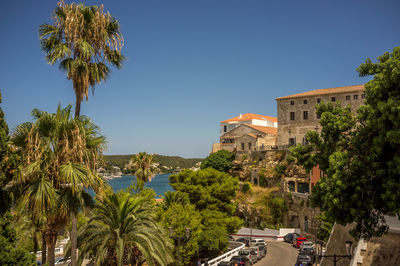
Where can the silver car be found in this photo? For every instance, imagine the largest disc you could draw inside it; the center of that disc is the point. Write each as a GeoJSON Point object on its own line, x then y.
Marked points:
{"type": "Point", "coordinates": [250, 254]}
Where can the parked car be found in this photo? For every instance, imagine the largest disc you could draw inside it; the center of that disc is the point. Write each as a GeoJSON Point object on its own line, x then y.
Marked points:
{"type": "Point", "coordinates": [244, 240]}
{"type": "Point", "coordinates": [305, 258]}
{"type": "Point", "coordinates": [256, 241]}
{"type": "Point", "coordinates": [307, 246]}
{"type": "Point", "coordinates": [240, 260]}
{"type": "Point", "coordinates": [289, 237]}
{"type": "Point", "coordinates": [62, 261]}
{"type": "Point", "coordinates": [250, 254]}
{"type": "Point", "coordinates": [224, 263]}
{"type": "Point", "coordinates": [259, 253]}
{"type": "Point", "coordinates": [262, 248]}
{"type": "Point", "coordinates": [297, 242]}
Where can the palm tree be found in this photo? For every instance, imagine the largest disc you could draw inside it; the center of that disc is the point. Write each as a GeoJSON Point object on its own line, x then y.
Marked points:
{"type": "Point", "coordinates": [143, 170]}
{"type": "Point", "coordinates": [84, 39]}
{"type": "Point", "coordinates": [172, 197]}
{"type": "Point", "coordinates": [123, 230]}
{"type": "Point", "coordinates": [54, 147]}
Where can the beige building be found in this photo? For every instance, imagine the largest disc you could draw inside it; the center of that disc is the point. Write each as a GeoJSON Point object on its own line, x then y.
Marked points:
{"type": "Point", "coordinates": [248, 119]}
{"type": "Point", "coordinates": [248, 137]}
{"type": "Point", "coordinates": [297, 113]}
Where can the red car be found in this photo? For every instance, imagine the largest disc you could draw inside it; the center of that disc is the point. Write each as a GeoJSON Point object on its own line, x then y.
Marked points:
{"type": "Point", "coordinates": [297, 242]}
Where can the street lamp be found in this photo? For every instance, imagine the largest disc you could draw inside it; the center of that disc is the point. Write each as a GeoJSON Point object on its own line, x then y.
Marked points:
{"type": "Point", "coordinates": [179, 238]}
{"type": "Point", "coordinates": [335, 258]}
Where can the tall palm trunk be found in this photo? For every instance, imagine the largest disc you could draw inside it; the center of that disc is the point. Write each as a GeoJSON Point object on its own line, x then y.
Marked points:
{"type": "Point", "coordinates": [74, 236]}
{"type": "Point", "coordinates": [44, 248]}
{"type": "Point", "coordinates": [74, 219]}
{"type": "Point", "coordinates": [35, 242]}
{"type": "Point", "coordinates": [51, 238]}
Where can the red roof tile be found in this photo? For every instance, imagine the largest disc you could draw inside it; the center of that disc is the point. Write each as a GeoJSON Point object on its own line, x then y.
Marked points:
{"type": "Point", "coordinates": [324, 91]}
{"type": "Point", "coordinates": [249, 116]}
{"type": "Point", "coordinates": [266, 130]}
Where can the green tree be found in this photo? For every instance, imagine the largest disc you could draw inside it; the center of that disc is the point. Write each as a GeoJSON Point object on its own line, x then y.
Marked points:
{"type": "Point", "coordinates": [360, 154]}
{"type": "Point", "coordinates": [9, 253]}
{"type": "Point", "coordinates": [123, 230]}
{"type": "Point", "coordinates": [53, 177]}
{"type": "Point", "coordinates": [144, 172]}
{"type": "Point", "coordinates": [220, 160]}
{"type": "Point", "coordinates": [207, 189]}
{"type": "Point", "coordinates": [180, 217]}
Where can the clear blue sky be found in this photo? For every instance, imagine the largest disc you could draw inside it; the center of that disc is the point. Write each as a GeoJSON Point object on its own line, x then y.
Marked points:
{"type": "Point", "coordinates": [194, 63]}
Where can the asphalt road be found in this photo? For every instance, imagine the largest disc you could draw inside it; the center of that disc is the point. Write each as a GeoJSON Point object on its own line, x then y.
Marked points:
{"type": "Point", "coordinates": [279, 253]}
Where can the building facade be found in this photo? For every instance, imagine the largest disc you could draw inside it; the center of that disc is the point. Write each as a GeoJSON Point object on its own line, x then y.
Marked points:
{"type": "Point", "coordinates": [249, 119]}
{"type": "Point", "coordinates": [248, 137]}
{"type": "Point", "coordinates": [297, 113]}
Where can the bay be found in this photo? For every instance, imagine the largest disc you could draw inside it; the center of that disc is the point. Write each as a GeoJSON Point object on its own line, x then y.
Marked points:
{"type": "Point", "coordinates": [160, 183]}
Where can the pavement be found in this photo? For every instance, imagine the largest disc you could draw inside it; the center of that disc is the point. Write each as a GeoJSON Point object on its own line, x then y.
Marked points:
{"type": "Point", "coordinates": [279, 253]}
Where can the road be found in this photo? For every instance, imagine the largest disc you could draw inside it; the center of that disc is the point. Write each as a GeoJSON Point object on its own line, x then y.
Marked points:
{"type": "Point", "coordinates": [279, 253]}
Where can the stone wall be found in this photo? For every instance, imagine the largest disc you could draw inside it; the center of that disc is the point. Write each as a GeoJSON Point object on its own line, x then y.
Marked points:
{"type": "Point", "coordinates": [383, 251]}
{"type": "Point", "coordinates": [298, 127]}
{"type": "Point", "coordinates": [336, 245]}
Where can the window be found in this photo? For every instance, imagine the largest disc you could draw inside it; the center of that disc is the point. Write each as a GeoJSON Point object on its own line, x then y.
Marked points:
{"type": "Point", "coordinates": [347, 97]}
{"type": "Point", "coordinates": [225, 128]}
{"type": "Point", "coordinates": [305, 141]}
{"type": "Point", "coordinates": [242, 144]}
{"type": "Point", "coordinates": [333, 99]}
{"type": "Point", "coordinates": [363, 96]}
{"type": "Point", "coordinates": [291, 115]}
{"type": "Point", "coordinates": [291, 102]}
{"type": "Point", "coordinates": [305, 115]}
{"type": "Point", "coordinates": [249, 145]}
{"type": "Point", "coordinates": [355, 97]}
{"type": "Point", "coordinates": [318, 116]}
{"type": "Point", "coordinates": [305, 101]}
{"type": "Point", "coordinates": [292, 141]}
{"type": "Point", "coordinates": [318, 100]}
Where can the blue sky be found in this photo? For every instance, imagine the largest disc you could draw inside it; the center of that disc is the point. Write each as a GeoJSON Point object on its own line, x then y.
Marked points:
{"type": "Point", "coordinates": [191, 64]}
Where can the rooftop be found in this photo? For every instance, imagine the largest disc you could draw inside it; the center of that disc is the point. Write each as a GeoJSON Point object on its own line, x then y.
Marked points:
{"type": "Point", "coordinates": [324, 91]}
{"type": "Point", "coordinates": [266, 130]}
{"type": "Point", "coordinates": [249, 116]}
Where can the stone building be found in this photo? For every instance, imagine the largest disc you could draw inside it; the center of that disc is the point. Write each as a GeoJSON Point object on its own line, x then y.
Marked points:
{"type": "Point", "coordinates": [297, 113]}
{"type": "Point", "coordinates": [249, 119]}
{"type": "Point", "coordinates": [248, 137]}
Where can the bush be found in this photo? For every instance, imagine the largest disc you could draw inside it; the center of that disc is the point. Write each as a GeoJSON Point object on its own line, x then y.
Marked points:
{"type": "Point", "coordinates": [221, 161]}
{"type": "Point", "coordinates": [246, 187]}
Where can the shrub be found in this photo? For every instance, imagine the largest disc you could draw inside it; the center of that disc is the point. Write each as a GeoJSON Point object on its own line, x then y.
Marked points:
{"type": "Point", "coordinates": [246, 187]}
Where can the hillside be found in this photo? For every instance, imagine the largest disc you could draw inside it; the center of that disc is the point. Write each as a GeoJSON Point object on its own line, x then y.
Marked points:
{"type": "Point", "coordinates": [171, 162]}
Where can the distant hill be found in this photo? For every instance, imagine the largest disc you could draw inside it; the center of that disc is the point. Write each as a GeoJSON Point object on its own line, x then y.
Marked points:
{"type": "Point", "coordinates": [172, 162]}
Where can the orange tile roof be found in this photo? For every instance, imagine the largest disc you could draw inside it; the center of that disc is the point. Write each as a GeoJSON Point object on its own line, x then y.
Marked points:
{"type": "Point", "coordinates": [324, 91]}
{"type": "Point", "coordinates": [249, 116]}
{"type": "Point", "coordinates": [266, 130]}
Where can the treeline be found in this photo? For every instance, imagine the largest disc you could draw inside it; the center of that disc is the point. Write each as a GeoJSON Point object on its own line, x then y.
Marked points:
{"type": "Point", "coordinates": [172, 162]}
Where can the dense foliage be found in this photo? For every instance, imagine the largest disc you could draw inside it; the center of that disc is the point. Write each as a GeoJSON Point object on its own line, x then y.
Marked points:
{"type": "Point", "coordinates": [9, 253]}
{"type": "Point", "coordinates": [203, 202]}
{"type": "Point", "coordinates": [123, 230]}
{"type": "Point", "coordinates": [207, 189]}
{"type": "Point", "coordinates": [359, 154]}
{"type": "Point", "coordinates": [220, 160]}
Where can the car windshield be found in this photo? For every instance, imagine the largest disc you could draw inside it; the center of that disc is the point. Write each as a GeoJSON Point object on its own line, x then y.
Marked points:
{"type": "Point", "coordinates": [303, 257]}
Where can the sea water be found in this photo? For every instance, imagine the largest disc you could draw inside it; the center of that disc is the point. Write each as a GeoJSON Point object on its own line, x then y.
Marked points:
{"type": "Point", "coordinates": [160, 183]}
